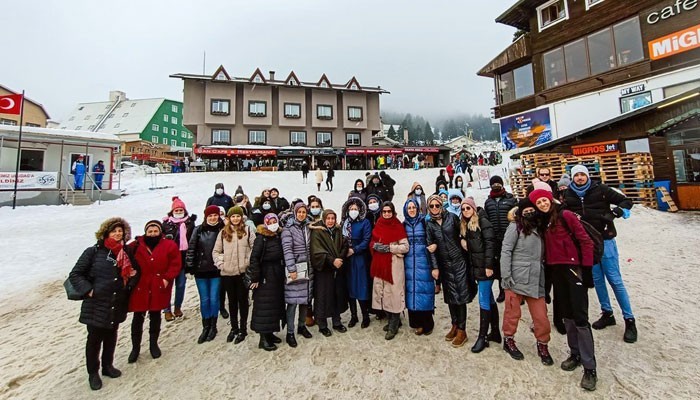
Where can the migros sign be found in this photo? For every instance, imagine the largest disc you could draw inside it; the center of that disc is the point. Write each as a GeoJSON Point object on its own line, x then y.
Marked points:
{"type": "Point", "coordinates": [675, 43]}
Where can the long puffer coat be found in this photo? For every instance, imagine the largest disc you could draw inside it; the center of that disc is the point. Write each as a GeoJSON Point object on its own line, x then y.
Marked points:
{"type": "Point", "coordinates": [96, 270]}
{"type": "Point", "coordinates": [420, 286]}
{"type": "Point", "coordinates": [162, 262]}
{"type": "Point", "coordinates": [359, 281]}
{"type": "Point", "coordinates": [481, 245]}
{"type": "Point", "coordinates": [295, 243]}
{"type": "Point", "coordinates": [268, 271]}
{"type": "Point", "coordinates": [330, 287]}
{"type": "Point", "coordinates": [449, 257]}
{"type": "Point", "coordinates": [200, 260]}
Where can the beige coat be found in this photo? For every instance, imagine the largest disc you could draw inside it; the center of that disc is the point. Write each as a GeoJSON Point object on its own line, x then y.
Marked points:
{"type": "Point", "coordinates": [319, 176]}
{"type": "Point", "coordinates": [387, 296]}
{"type": "Point", "coordinates": [232, 258]}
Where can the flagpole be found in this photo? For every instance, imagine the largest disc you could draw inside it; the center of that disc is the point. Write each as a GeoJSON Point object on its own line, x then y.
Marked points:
{"type": "Point", "coordinates": [19, 151]}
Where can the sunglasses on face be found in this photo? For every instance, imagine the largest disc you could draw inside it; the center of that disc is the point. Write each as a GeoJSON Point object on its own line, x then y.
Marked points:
{"type": "Point", "coordinates": [466, 208]}
{"type": "Point", "coordinates": [387, 212]}
{"type": "Point", "coordinates": [435, 206]}
{"type": "Point", "coordinates": [543, 174]}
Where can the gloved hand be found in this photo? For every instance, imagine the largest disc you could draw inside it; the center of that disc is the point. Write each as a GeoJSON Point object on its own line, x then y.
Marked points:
{"type": "Point", "coordinates": [382, 248]}
{"type": "Point", "coordinates": [617, 212]}
{"type": "Point", "coordinates": [193, 217]}
{"type": "Point", "coordinates": [626, 213]}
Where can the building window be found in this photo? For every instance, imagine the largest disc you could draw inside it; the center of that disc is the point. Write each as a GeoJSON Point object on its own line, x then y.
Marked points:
{"type": "Point", "coordinates": [324, 111]}
{"type": "Point", "coordinates": [173, 132]}
{"type": "Point", "coordinates": [257, 137]}
{"type": "Point", "coordinates": [173, 142]}
{"type": "Point", "coordinates": [324, 84]}
{"type": "Point", "coordinates": [173, 120]}
{"type": "Point", "coordinates": [355, 113]}
{"type": "Point", "coordinates": [352, 139]}
{"type": "Point", "coordinates": [165, 129]}
{"type": "Point", "coordinates": [166, 118]}
{"type": "Point", "coordinates": [125, 115]}
{"type": "Point", "coordinates": [591, 3]}
{"type": "Point", "coordinates": [117, 125]}
{"type": "Point", "coordinates": [257, 108]}
{"type": "Point", "coordinates": [165, 140]}
{"type": "Point", "coordinates": [554, 72]}
{"type": "Point", "coordinates": [77, 128]}
{"type": "Point", "coordinates": [576, 62]}
{"type": "Point", "coordinates": [628, 42]}
{"type": "Point", "coordinates": [174, 108]}
{"type": "Point", "coordinates": [324, 139]}
{"type": "Point", "coordinates": [154, 139]}
{"type": "Point", "coordinates": [292, 110]}
{"type": "Point", "coordinates": [87, 117]}
{"type": "Point", "coordinates": [220, 136]}
{"type": "Point", "coordinates": [220, 107]}
{"type": "Point", "coordinates": [600, 51]}
{"type": "Point", "coordinates": [183, 134]}
{"type": "Point", "coordinates": [9, 122]}
{"type": "Point", "coordinates": [29, 124]}
{"type": "Point", "coordinates": [31, 160]}
{"type": "Point", "coordinates": [297, 138]}
{"type": "Point", "coordinates": [354, 87]}
{"type": "Point", "coordinates": [634, 102]}
{"type": "Point", "coordinates": [183, 144]}
{"type": "Point", "coordinates": [155, 127]}
{"type": "Point", "coordinates": [515, 84]}
{"type": "Point", "coordinates": [551, 13]}
{"type": "Point", "coordinates": [257, 79]}
{"type": "Point", "coordinates": [685, 147]}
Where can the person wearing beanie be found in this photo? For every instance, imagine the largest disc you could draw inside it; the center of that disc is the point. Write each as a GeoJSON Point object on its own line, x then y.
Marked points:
{"type": "Point", "coordinates": [278, 203]}
{"type": "Point", "coordinates": [160, 261]}
{"type": "Point", "coordinates": [104, 310]}
{"type": "Point", "coordinates": [220, 198]}
{"type": "Point", "coordinates": [478, 239]}
{"type": "Point", "coordinates": [523, 279]}
{"type": "Point", "coordinates": [497, 206]}
{"type": "Point", "coordinates": [231, 256]}
{"type": "Point", "coordinates": [328, 251]}
{"type": "Point", "coordinates": [178, 225]}
{"type": "Point", "coordinates": [564, 182]}
{"type": "Point", "coordinates": [200, 263]}
{"type": "Point", "coordinates": [599, 205]}
{"type": "Point", "coordinates": [568, 251]}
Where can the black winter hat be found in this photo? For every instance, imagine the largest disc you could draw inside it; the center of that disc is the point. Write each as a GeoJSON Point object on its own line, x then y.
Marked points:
{"type": "Point", "coordinates": [496, 179]}
{"type": "Point", "coordinates": [219, 186]}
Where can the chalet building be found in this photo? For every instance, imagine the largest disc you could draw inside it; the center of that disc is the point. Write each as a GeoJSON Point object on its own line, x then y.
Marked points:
{"type": "Point", "coordinates": [588, 72]}
{"type": "Point", "coordinates": [34, 113]}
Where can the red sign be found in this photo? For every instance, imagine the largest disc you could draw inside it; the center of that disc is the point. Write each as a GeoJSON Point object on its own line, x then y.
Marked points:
{"type": "Point", "coordinates": [421, 149]}
{"type": "Point", "coordinates": [236, 152]}
{"type": "Point", "coordinates": [373, 151]}
{"type": "Point", "coordinates": [612, 146]}
{"type": "Point", "coordinates": [140, 156]}
{"type": "Point", "coordinates": [675, 43]}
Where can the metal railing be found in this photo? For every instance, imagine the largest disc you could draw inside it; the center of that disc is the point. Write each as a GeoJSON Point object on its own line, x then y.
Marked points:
{"type": "Point", "coordinates": [92, 189]}
{"type": "Point", "coordinates": [65, 181]}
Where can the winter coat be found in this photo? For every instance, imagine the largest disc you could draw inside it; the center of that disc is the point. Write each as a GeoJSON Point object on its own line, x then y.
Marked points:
{"type": "Point", "coordinates": [319, 176]}
{"type": "Point", "coordinates": [295, 243]}
{"type": "Point", "coordinates": [200, 261]}
{"type": "Point", "coordinates": [391, 297]}
{"type": "Point", "coordinates": [358, 264]}
{"type": "Point", "coordinates": [389, 184]}
{"type": "Point", "coordinates": [456, 210]}
{"type": "Point", "coordinates": [362, 194]}
{"type": "Point", "coordinates": [330, 287]}
{"type": "Point", "coordinates": [449, 257]}
{"type": "Point", "coordinates": [420, 286]}
{"type": "Point", "coordinates": [497, 212]}
{"type": "Point", "coordinates": [595, 209]}
{"type": "Point", "coordinates": [222, 200]}
{"type": "Point", "coordinates": [522, 269]}
{"type": "Point", "coordinates": [171, 231]}
{"type": "Point", "coordinates": [96, 270]}
{"type": "Point", "coordinates": [420, 199]}
{"type": "Point", "coordinates": [162, 262]}
{"type": "Point", "coordinates": [560, 248]}
{"type": "Point", "coordinates": [378, 190]}
{"type": "Point", "coordinates": [480, 250]}
{"type": "Point", "coordinates": [280, 204]}
{"type": "Point", "coordinates": [267, 270]}
{"type": "Point", "coordinates": [232, 258]}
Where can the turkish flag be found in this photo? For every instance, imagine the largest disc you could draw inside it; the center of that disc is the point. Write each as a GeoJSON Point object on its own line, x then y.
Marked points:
{"type": "Point", "coordinates": [11, 104]}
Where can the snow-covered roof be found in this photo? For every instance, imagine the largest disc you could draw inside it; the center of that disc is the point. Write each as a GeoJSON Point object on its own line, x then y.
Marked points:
{"type": "Point", "coordinates": [58, 134]}
{"type": "Point", "coordinates": [120, 117]}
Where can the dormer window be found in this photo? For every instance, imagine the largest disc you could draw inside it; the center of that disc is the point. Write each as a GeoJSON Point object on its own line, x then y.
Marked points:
{"type": "Point", "coordinates": [354, 87]}
{"type": "Point", "coordinates": [552, 12]}
{"type": "Point", "coordinates": [257, 79]}
{"type": "Point", "coordinates": [324, 84]}
{"type": "Point", "coordinates": [293, 82]}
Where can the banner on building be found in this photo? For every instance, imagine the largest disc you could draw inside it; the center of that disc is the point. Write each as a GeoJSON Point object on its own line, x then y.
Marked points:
{"type": "Point", "coordinates": [29, 180]}
{"type": "Point", "coordinates": [526, 130]}
{"type": "Point", "coordinates": [609, 147]}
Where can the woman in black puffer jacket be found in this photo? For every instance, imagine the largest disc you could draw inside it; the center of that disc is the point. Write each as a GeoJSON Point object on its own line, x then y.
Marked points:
{"type": "Point", "coordinates": [104, 275]}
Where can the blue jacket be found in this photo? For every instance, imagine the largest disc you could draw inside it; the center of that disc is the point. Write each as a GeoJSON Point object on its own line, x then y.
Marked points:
{"type": "Point", "coordinates": [79, 169]}
{"type": "Point", "coordinates": [420, 286]}
{"type": "Point", "coordinates": [360, 234]}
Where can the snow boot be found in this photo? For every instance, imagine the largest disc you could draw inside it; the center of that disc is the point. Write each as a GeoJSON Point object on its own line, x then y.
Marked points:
{"type": "Point", "coordinates": [630, 331]}
{"type": "Point", "coordinates": [606, 319]}
{"type": "Point", "coordinates": [482, 341]}
{"type": "Point", "coordinates": [510, 348]}
{"type": "Point", "coordinates": [212, 329]}
{"type": "Point", "coordinates": [543, 352]}
{"type": "Point", "coordinates": [205, 331]}
{"type": "Point", "coordinates": [495, 335]}
{"type": "Point", "coordinates": [265, 343]}
{"type": "Point", "coordinates": [589, 379]}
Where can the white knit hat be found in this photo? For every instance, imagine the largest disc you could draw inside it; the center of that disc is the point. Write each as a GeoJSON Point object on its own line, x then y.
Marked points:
{"type": "Point", "coordinates": [580, 168]}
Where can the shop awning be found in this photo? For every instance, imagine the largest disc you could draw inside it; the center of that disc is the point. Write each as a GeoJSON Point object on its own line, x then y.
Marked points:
{"type": "Point", "coordinates": [236, 151]}
{"type": "Point", "coordinates": [695, 112]}
{"type": "Point", "coordinates": [373, 150]}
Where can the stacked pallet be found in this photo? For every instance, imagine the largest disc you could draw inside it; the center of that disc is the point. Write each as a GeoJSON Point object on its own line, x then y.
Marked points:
{"type": "Point", "coordinates": [631, 173]}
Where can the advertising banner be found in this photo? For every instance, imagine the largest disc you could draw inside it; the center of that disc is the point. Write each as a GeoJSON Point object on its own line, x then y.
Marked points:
{"type": "Point", "coordinates": [526, 130]}
{"type": "Point", "coordinates": [29, 180]}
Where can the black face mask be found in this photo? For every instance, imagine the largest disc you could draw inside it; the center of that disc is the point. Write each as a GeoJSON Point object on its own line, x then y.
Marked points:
{"type": "Point", "coordinates": [151, 241]}
{"type": "Point", "coordinates": [530, 216]}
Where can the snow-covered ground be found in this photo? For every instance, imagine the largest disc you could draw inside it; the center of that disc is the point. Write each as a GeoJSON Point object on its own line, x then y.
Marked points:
{"type": "Point", "coordinates": [42, 347]}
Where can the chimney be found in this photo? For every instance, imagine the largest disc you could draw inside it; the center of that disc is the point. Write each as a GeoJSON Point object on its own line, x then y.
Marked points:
{"type": "Point", "coordinates": [405, 135]}
{"type": "Point", "coordinates": [117, 95]}
{"type": "Point", "coordinates": [272, 75]}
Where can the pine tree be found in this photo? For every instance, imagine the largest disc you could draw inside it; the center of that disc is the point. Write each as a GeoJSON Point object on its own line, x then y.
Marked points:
{"type": "Point", "coordinates": [392, 134]}
{"type": "Point", "coordinates": [428, 133]}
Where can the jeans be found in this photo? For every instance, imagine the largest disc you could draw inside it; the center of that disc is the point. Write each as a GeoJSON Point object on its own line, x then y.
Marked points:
{"type": "Point", "coordinates": [609, 268]}
{"type": "Point", "coordinates": [486, 295]}
{"type": "Point", "coordinates": [291, 310]}
{"type": "Point", "coordinates": [208, 289]}
{"type": "Point", "coordinates": [180, 282]}
{"type": "Point", "coordinates": [100, 339]}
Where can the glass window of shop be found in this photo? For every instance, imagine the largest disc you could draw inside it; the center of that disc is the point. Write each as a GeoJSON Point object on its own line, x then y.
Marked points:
{"type": "Point", "coordinates": [515, 84]}
{"type": "Point", "coordinates": [554, 70]}
{"type": "Point", "coordinates": [576, 62]}
{"type": "Point", "coordinates": [685, 147]}
{"type": "Point", "coordinates": [628, 42]}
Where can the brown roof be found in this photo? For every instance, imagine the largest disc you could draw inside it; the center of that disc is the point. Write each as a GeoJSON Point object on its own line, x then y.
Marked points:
{"type": "Point", "coordinates": [518, 15]}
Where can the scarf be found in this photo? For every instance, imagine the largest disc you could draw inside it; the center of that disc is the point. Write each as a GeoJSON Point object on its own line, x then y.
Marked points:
{"type": "Point", "coordinates": [386, 231]}
{"type": "Point", "coordinates": [183, 230]}
{"type": "Point", "coordinates": [581, 190]}
{"type": "Point", "coordinates": [347, 229]}
{"type": "Point", "coordinates": [123, 261]}
{"type": "Point", "coordinates": [497, 193]}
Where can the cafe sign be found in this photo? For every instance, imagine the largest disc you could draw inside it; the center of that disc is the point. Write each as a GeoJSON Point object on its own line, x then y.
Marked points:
{"type": "Point", "coordinates": [670, 11]}
{"type": "Point", "coordinates": [589, 149]}
{"type": "Point", "coordinates": [632, 90]}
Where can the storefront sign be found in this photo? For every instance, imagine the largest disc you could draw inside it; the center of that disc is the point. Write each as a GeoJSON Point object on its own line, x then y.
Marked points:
{"type": "Point", "coordinates": [667, 12]}
{"type": "Point", "coordinates": [612, 146]}
{"type": "Point", "coordinates": [236, 152]}
{"type": "Point", "coordinates": [373, 151]}
{"type": "Point", "coordinates": [526, 130]}
{"type": "Point", "coordinates": [421, 149]}
{"type": "Point", "coordinates": [29, 180]}
{"type": "Point", "coordinates": [675, 43]}
{"type": "Point", "coordinates": [633, 89]}
{"type": "Point", "coordinates": [309, 152]}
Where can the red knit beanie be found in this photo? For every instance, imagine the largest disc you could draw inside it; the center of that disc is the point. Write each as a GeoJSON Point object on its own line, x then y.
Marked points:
{"type": "Point", "coordinates": [540, 193]}
{"type": "Point", "coordinates": [212, 209]}
{"type": "Point", "coordinates": [177, 203]}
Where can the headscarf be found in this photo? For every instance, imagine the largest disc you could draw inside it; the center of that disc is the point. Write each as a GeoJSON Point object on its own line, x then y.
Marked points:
{"type": "Point", "coordinates": [386, 231]}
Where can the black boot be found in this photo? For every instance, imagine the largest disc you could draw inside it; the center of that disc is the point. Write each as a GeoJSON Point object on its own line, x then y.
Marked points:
{"type": "Point", "coordinates": [481, 341]}
{"type": "Point", "coordinates": [606, 319]}
{"type": "Point", "coordinates": [393, 327]}
{"type": "Point", "coordinates": [304, 332]}
{"type": "Point", "coordinates": [242, 334]}
{"type": "Point", "coordinates": [510, 348]}
{"type": "Point", "coordinates": [265, 344]}
{"type": "Point", "coordinates": [291, 340]}
{"type": "Point", "coordinates": [153, 343]}
{"type": "Point", "coordinates": [135, 346]}
{"type": "Point", "coordinates": [111, 372]}
{"type": "Point", "coordinates": [589, 379]}
{"type": "Point", "coordinates": [495, 334]}
{"type": "Point", "coordinates": [543, 352]}
{"type": "Point", "coordinates": [205, 331]}
{"type": "Point", "coordinates": [273, 339]}
{"type": "Point", "coordinates": [353, 321]}
{"type": "Point", "coordinates": [95, 381]}
{"type": "Point", "coordinates": [232, 335]}
{"type": "Point", "coordinates": [571, 363]}
{"type": "Point", "coordinates": [212, 329]}
{"type": "Point", "coordinates": [630, 331]}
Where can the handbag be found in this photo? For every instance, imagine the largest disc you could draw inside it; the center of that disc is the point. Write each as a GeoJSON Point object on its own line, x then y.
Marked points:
{"type": "Point", "coordinates": [71, 292]}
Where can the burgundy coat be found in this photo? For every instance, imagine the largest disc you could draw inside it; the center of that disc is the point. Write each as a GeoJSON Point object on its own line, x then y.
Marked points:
{"type": "Point", "coordinates": [164, 262]}
{"type": "Point", "coordinates": [560, 248]}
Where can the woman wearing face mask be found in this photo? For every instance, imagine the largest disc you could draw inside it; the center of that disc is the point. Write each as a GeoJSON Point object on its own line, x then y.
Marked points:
{"type": "Point", "coordinates": [357, 230]}
{"type": "Point", "coordinates": [563, 237]}
{"type": "Point", "coordinates": [388, 245]}
{"type": "Point", "coordinates": [455, 197]}
{"type": "Point", "coordinates": [220, 198]}
{"type": "Point", "coordinates": [178, 226]}
{"type": "Point", "coordinates": [418, 194]}
{"type": "Point", "coordinates": [522, 273]}
{"type": "Point", "coordinates": [359, 191]}
{"type": "Point", "coordinates": [264, 207]}
{"type": "Point", "coordinates": [299, 288]}
{"type": "Point", "coordinates": [315, 209]}
{"type": "Point", "coordinates": [200, 262]}
{"type": "Point", "coordinates": [232, 256]}
{"type": "Point", "coordinates": [373, 204]}
{"type": "Point", "coordinates": [160, 262]}
{"type": "Point", "coordinates": [459, 183]}
{"type": "Point", "coordinates": [420, 286]}
{"type": "Point", "coordinates": [266, 274]}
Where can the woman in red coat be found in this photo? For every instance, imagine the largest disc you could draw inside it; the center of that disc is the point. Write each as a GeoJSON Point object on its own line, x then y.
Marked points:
{"type": "Point", "coordinates": [160, 262]}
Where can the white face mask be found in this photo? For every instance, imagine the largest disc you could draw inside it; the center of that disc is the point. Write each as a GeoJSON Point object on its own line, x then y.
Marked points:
{"type": "Point", "coordinates": [359, 188]}
{"type": "Point", "coordinates": [374, 206]}
{"type": "Point", "coordinates": [179, 215]}
{"type": "Point", "coordinates": [273, 227]}
{"type": "Point", "coordinates": [315, 211]}
{"type": "Point", "coordinates": [418, 192]}
{"type": "Point", "coordinates": [353, 214]}
{"type": "Point", "coordinates": [219, 191]}
{"type": "Point", "coordinates": [266, 206]}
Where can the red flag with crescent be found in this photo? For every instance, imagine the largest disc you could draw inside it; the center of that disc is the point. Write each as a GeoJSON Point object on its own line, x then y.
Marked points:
{"type": "Point", "coordinates": [11, 104]}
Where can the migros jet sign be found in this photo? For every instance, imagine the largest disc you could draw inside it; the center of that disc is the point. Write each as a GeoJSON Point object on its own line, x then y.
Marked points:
{"type": "Point", "coordinates": [675, 43]}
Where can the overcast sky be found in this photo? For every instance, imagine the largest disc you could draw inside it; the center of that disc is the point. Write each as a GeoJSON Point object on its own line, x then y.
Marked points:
{"type": "Point", "coordinates": [425, 52]}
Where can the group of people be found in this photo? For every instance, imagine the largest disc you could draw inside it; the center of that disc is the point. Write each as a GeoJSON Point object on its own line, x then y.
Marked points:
{"type": "Point", "coordinates": [306, 264]}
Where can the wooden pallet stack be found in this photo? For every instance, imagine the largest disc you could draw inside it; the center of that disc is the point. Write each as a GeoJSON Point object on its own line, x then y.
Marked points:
{"type": "Point", "coordinates": [631, 173]}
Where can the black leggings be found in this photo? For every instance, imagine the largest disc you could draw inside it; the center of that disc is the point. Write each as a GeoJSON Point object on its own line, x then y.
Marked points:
{"type": "Point", "coordinates": [100, 338]}
{"type": "Point", "coordinates": [364, 308]}
{"type": "Point", "coordinates": [140, 317]}
{"type": "Point", "coordinates": [237, 293]}
{"type": "Point", "coordinates": [458, 313]}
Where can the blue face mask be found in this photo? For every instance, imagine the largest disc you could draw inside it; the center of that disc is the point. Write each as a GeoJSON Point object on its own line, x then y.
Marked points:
{"type": "Point", "coordinates": [445, 204]}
